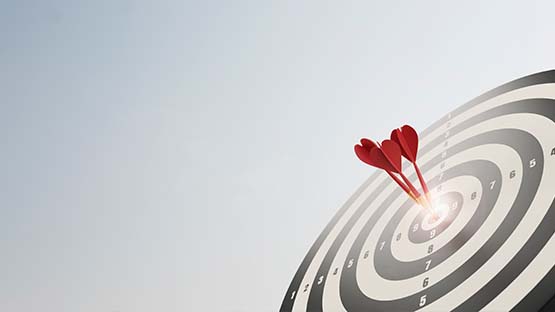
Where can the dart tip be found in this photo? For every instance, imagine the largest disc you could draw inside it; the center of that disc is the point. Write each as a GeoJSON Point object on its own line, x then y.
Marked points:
{"type": "Point", "coordinates": [425, 202]}
{"type": "Point", "coordinates": [429, 197]}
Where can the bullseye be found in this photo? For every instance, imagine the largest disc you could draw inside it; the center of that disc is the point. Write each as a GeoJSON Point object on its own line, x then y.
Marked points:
{"type": "Point", "coordinates": [431, 220]}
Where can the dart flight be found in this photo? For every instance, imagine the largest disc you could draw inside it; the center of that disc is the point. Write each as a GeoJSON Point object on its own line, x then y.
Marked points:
{"type": "Point", "coordinates": [388, 157]}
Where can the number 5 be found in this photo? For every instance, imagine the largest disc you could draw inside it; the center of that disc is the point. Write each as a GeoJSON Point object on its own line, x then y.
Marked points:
{"type": "Point", "coordinates": [423, 300]}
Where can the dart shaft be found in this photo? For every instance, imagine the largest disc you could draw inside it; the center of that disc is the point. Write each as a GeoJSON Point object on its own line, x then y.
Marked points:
{"type": "Point", "coordinates": [422, 181]}
{"type": "Point", "coordinates": [402, 185]}
{"type": "Point", "coordinates": [409, 184]}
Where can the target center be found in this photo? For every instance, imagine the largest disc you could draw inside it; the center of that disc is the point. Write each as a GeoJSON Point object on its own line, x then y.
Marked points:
{"type": "Point", "coordinates": [441, 210]}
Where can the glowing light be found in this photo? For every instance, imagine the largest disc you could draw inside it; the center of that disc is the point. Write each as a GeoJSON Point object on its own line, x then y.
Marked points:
{"type": "Point", "coordinates": [442, 209]}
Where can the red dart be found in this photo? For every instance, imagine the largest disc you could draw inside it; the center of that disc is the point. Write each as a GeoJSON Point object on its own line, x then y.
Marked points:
{"type": "Point", "coordinates": [369, 153]}
{"type": "Point", "coordinates": [392, 152]}
{"type": "Point", "coordinates": [407, 138]}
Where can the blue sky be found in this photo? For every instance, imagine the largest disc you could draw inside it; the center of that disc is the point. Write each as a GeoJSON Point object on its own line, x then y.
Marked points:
{"type": "Point", "coordinates": [182, 156]}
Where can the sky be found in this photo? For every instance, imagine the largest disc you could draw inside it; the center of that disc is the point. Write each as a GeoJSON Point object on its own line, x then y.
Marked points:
{"type": "Point", "coordinates": [183, 156]}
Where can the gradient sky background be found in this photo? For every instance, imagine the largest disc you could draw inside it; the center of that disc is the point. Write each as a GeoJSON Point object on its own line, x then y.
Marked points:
{"type": "Point", "coordinates": [181, 156]}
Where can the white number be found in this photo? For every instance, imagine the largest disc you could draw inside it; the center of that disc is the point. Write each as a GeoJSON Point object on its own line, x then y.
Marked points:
{"type": "Point", "coordinates": [415, 227]}
{"type": "Point", "coordinates": [455, 205]}
{"type": "Point", "coordinates": [382, 244]}
{"type": "Point", "coordinates": [532, 163]}
{"type": "Point", "coordinates": [428, 264]}
{"type": "Point", "coordinates": [491, 185]}
{"type": "Point", "coordinates": [321, 279]}
{"type": "Point", "coordinates": [423, 300]}
{"type": "Point", "coordinates": [432, 233]}
{"type": "Point", "coordinates": [350, 264]}
{"type": "Point", "coordinates": [293, 294]}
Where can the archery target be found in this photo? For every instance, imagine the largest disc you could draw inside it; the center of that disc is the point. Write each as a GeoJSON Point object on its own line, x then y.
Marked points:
{"type": "Point", "coordinates": [490, 165]}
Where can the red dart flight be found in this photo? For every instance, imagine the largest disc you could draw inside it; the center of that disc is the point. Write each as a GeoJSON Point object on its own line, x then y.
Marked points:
{"type": "Point", "coordinates": [388, 157]}
{"type": "Point", "coordinates": [407, 138]}
{"type": "Point", "coordinates": [371, 154]}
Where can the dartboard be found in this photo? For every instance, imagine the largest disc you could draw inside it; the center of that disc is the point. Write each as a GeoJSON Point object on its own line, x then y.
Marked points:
{"type": "Point", "coordinates": [491, 165]}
